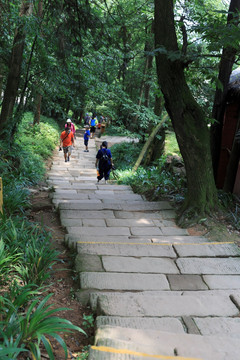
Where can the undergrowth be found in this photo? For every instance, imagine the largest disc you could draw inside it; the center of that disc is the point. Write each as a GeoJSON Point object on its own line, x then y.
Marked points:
{"type": "Point", "coordinates": [26, 258]}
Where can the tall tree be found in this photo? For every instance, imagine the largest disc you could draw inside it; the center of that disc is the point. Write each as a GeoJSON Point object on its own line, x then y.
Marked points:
{"type": "Point", "coordinates": [187, 117]}
{"type": "Point", "coordinates": [14, 74]}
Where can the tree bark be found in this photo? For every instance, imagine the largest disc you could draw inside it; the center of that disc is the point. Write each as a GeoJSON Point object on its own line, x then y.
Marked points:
{"type": "Point", "coordinates": [225, 69]}
{"type": "Point", "coordinates": [187, 119]}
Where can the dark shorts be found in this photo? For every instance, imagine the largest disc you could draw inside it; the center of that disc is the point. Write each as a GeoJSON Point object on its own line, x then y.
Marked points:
{"type": "Point", "coordinates": [86, 142]}
{"type": "Point", "coordinates": [66, 149]}
{"type": "Point", "coordinates": [92, 130]}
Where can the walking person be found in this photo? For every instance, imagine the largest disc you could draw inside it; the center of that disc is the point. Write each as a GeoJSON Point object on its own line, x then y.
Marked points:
{"type": "Point", "coordinates": [104, 162]}
{"type": "Point", "coordinates": [87, 119]}
{"type": "Point", "coordinates": [66, 141]}
{"type": "Point", "coordinates": [93, 123]}
{"type": "Point", "coordinates": [86, 137]}
{"type": "Point", "coordinates": [70, 124]}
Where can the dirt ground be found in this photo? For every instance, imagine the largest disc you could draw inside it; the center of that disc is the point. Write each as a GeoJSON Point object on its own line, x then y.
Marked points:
{"type": "Point", "coordinates": [64, 281]}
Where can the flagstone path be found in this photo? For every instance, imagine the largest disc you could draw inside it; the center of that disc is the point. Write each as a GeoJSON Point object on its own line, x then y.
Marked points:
{"type": "Point", "coordinates": [158, 292]}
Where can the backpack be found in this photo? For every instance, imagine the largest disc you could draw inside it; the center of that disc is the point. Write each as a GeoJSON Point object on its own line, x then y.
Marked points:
{"type": "Point", "coordinates": [104, 158]}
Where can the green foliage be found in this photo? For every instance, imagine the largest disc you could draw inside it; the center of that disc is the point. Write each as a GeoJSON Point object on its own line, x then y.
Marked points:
{"type": "Point", "coordinates": [39, 139]}
{"type": "Point", "coordinates": [28, 325]}
{"type": "Point", "coordinates": [125, 154]}
{"type": "Point", "coordinates": [155, 181]}
{"type": "Point", "coordinates": [32, 242]}
{"type": "Point", "coordinates": [88, 321]}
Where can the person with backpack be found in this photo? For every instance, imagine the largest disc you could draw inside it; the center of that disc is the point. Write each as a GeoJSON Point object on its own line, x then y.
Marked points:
{"type": "Point", "coordinates": [66, 141]}
{"type": "Point", "coordinates": [104, 162]}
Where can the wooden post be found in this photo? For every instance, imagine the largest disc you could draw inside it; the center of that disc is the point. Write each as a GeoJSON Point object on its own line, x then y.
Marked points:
{"type": "Point", "coordinates": [1, 196]}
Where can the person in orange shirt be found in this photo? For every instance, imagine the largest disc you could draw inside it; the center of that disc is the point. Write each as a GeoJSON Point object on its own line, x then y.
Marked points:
{"type": "Point", "coordinates": [66, 141]}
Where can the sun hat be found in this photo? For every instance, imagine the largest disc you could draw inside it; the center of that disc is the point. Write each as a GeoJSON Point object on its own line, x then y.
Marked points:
{"type": "Point", "coordinates": [69, 120]}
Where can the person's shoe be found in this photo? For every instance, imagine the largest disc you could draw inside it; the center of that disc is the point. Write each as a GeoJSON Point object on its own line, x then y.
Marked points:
{"type": "Point", "coordinates": [65, 160]}
{"type": "Point", "coordinates": [85, 150]}
{"type": "Point", "coordinates": [68, 159]}
{"type": "Point", "coordinates": [106, 182]}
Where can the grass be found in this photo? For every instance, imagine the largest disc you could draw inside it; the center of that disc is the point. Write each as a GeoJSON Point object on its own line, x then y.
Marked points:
{"type": "Point", "coordinates": [171, 145]}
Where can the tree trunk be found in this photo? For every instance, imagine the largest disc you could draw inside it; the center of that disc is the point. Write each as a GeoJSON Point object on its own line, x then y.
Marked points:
{"type": "Point", "coordinates": [156, 148]}
{"type": "Point", "coordinates": [147, 144]}
{"type": "Point", "coordinates": [225, 69]}
{"type": "Point", "coordinates": [13, 78]}
{"type": "Point", "coordinates": [187, 118]}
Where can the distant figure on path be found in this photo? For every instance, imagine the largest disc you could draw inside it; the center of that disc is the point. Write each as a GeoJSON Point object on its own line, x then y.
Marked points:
{"type": "Point", "coordinates": [66, 141]}
{"type": "Point", "coordinates": [86, 137]}
{"type": "Point", "coordinates": [104, 162]}
{"type": "Point", "coordinates": [70, 125]}
{"type": "Point", "coordinates": [87, 119]}
{"type": "Point", "coordinates": [93, 123]}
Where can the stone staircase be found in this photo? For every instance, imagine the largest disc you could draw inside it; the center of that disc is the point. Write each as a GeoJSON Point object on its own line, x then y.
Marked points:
{"type": "Point", "coordinates": [158, 292]}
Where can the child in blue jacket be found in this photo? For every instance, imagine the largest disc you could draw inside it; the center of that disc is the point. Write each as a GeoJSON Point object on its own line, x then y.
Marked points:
{"type": "Point", "coordinates": [86, 137]}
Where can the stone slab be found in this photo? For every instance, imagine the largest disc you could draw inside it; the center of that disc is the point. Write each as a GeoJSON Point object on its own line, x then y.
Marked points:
{"type": "Point", "coordinates": [145, 205]}
{"type": "Point", "coordinates": [222, 281]}
{"type": "Point", "coordinates": [173, 231]}
{"type": "Point", "coordinates": [71, 222]}
{"type": "Point", "coordinates": [137, 215]}
{"type": "Point", "coordinates": [69, 196]}
{"type": "Point", "coordinates": [80, 186]}
{"type": "Point", "coordinates": [83, 204]}
{"type": "Point", "coordinates": [86, 214]}
{"type": "Point", "coordinates": [123, 281]}
{"type": "Point", "coordinates": [186, 282]}
{"type": "Point", "coordinates": [129, 222]}
{"type": "Point", "coordinates": [207, 250]}
{"type": "Point", "coordinates": [163, 344]}
{"type": "Point", "coordinates": [140, 305]}
{"type": "Point", "coordinates": [64, 192]}
{"type": "Point", "coordinates": [88, 263]}
{"type": "Point", "coordinates": [172, 239]}
{"type": "Point", "coordinates": [99, 231]}
{"type": "Point", "coordinates": [219, 326]}
{"type": "Point", "coordinates": [88, 206]}
{"type": "Point", "coordinates": [86, 239]}
{"type": "Point", "coordinates": [125, 250]}
{"type": "Point", "coordinates": [119, 198]}
{"type": "Point", "coordinates": [165, 324]}
{"type": "Point", "coordinates": [209, 266]}
{"type": "Point", "coordinates": [94, 222]}
{"type": "Point", "coordinates": [148, 230]}
{"type": "Point", "coordinates": [139, 265]}
{"type": "Point", "coordinates": [94, 294]}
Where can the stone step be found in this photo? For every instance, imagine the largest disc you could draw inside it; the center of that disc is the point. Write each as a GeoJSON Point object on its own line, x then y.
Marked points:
{"type": "Point", "coordinates": [117, 304]}
{"type": "Point", "coordinates": [93, 295]}
{"type": "Point", "coordinates": [208, 250]}
{"type": "Point", "coordinates": [126, 206]}
{"type": "Point", "coordinates": [209, 266]}
{"type": "Point", "coordinates": [174, 325]}
{"type": "Point", "coordinates": [123, 343]}
{"type": "Point", "coordinates": [123, 281]}
{"type": "Point", "coordinates": [125, 249]}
